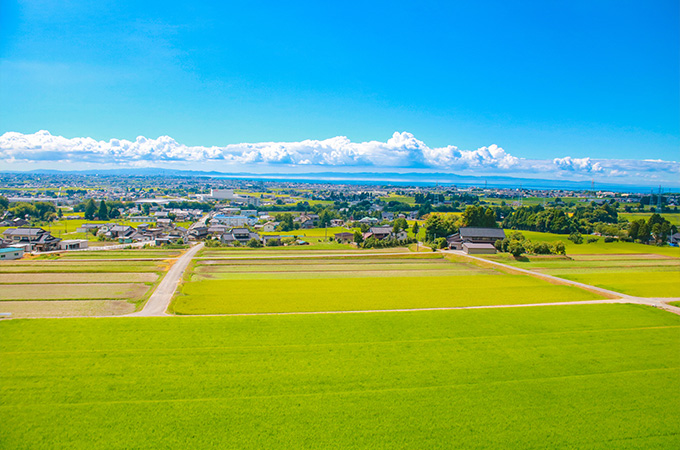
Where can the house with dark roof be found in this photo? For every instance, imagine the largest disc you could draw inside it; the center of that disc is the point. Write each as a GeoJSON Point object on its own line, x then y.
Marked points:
{"type": "Point", "coordinates": [381, 233]}
{"type": "Point", "coordinates": [37, 238]}
{"type": "Point", "coordinates": [474, 235]}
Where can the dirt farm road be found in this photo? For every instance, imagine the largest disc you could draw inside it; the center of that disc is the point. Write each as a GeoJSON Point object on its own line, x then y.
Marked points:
{"type": "Point", "coordinates": [616, 296]}
{"type": "Point", "coordinates": [160, 300]}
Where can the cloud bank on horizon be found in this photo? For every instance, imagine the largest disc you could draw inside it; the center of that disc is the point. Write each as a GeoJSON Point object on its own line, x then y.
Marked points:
{"type": "Point", "coordinates": [401, 151]}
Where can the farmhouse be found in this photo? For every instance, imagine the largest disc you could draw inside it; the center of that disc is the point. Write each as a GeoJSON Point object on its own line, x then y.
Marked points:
{"type": "Point", "coordinates": [381, 233]}
{"type": "Point", "coordinates": [345, 237]}
{"type": "Point", "coordinates": [198, 232]}
{"type": "Point", "coordinates": [269, 227]}
{"type": "Point", "coordinates": [243, 235]}
{"type": "Point", "coordinates": [38, 239]}
{"type": "Point", "coordinates": [474, 235]}
{"type": "Point", "coordinates": [10, 253]}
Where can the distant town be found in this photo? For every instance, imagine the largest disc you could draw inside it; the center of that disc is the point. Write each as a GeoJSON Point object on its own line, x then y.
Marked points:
{"type": "Point", "coordinates": [48, 213]}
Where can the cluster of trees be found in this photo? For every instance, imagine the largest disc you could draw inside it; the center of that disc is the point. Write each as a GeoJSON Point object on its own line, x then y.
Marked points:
{"type": "Point", "coordinates": [478, 216]}
{"type": "Point", "coordinates": [101, 212]}
{"type": "Point", "coordinates": [516, 244]}
{"type": "Point", "coordinates": [438, 226]}
{"type": "Point", "coordinates": [655, 228]}
{"type": "Point", "coordinates": [584, 219]}
{"type": "Point", "coordinates": [385, 243]}
{"type": "Point", "coordinates": [33, 211]}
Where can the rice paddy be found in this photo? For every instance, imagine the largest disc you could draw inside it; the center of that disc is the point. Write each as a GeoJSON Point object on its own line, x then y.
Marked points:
{"type": "Point", "coordinates": [588, 376]}
{"type": "Point", "coordinates": [101, 283]}
{"type": "Point", "coordinates": [641, 275]}
{"type": "Point", "coordinates": [379, 281]}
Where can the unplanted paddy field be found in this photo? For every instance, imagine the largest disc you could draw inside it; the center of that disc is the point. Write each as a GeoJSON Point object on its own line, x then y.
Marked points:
{"type": "Point", "coordinates": [219, 284]}
{"type": "Point", "coordinates": [579, 376]}
{"type": "Point", "coordinates": [81, 283]}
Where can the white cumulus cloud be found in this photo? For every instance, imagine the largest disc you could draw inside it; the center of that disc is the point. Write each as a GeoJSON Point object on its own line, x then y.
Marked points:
{"type": "Point", "coordinates": [402, 151]}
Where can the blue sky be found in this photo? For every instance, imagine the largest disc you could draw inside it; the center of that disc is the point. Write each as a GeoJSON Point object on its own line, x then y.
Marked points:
{"type": "Point", "coordinates": [542, 80]}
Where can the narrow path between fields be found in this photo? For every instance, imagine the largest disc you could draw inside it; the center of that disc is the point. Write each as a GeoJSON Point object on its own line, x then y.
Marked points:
{"type": "Point", "coordinates": [617, 297]}
{"type": "Point", "coordinates": [160, 299]}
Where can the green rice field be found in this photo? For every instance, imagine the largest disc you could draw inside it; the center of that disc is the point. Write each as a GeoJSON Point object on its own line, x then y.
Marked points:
{"type": "Point", "coordinates": [242, 286]}
{"type": "Point", "coordinates": [587, 377]}
{"type": "Point", "coordinates": [641, 275]}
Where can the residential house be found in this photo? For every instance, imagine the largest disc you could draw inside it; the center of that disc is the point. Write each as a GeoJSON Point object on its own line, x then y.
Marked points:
{"type": "Point", "coordinates": [474, 235]}
{"type": "Point", "coordinates": [387, 216]}
{"type": "Point", "coordinates": [243, 235]}
{"type": "Point", "coordinates": [381, 233]}
{"type": "Point", "coordinates": [36, 238]}
{"type": "Point", "coordinates": [199, 232]}
{"type": "Point", "coordinates": [164, 223]}
{"type": "Point", "coordinates": [269, 227]}
{"type": "Point", "coordinates": [217, 230]}
{"type": "Point", "coordinates": [337, 222]}
{"type": "Point", "coordinates": [306, 223]}
{"type": "Point", "coordinates": [674, 239]}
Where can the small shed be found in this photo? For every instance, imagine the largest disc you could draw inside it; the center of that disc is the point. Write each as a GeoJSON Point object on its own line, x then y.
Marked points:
{"type": "Point", "coordinates": [10, 253]}
{"type": "Point", "coordinates": [345, 237]}
{"type": "Point", "coordinates": [73, 244]}
{"type": "Point", "coordinates": [478, 249]}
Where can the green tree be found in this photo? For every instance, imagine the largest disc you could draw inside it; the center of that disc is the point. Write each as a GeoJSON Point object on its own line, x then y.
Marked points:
{"type": "Point", "coordinates": [90, 210]}
{"type": "Point", "coordinates": [103, 213]}
{"type": "Point", "coordinates": [358, 237]}
{"type": "Point", "coordinates": [559, 248]}
{"type": "Point", "coordinates": [516, 248]}
{"type": "Point", "coordinates": [399, 224]}
{"type": "Point", "coordinates": [576, 237]}
{"type": "Point", "coordinates": [4, 203]}
{"type": "Point", "coordinates": [60, 213]}
{"type": "Point", "coordinates": [254, 243]}
{"type": "Point", "coordinates": [22, 209]}
{"type": "Point", "coordinates": [416, 229]}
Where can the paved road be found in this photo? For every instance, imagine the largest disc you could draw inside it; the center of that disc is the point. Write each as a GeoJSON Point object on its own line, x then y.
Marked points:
{"type": "Point", "coordinates": [160, 300]}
